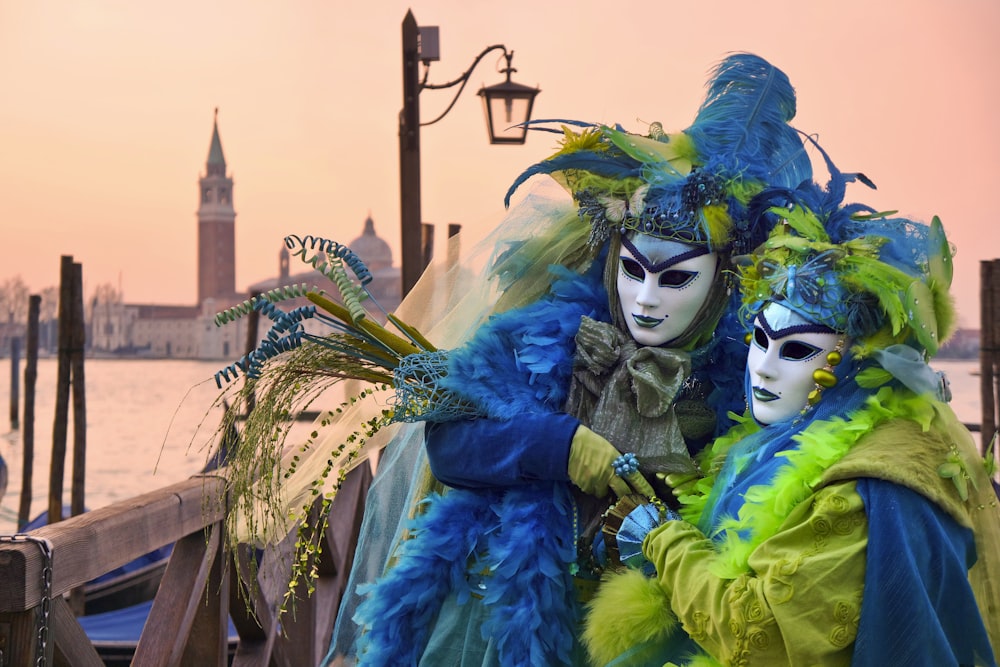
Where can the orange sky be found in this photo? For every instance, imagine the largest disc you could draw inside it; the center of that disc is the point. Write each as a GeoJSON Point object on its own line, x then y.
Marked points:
{"type": "Point", "coordinates": [106, 114]}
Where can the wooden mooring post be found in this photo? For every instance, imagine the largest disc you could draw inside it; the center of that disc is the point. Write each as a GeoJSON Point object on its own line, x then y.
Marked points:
{"type": "Point", "coordinates": [15, 363]}
{"type": "Point", "coordinates": [69, 379]}
{"type": "Point", "coordinates": [989, 348]}
{"type": "Point", "coordinates": [28, 432]}
{"type": "Point", "coordinates": [253, 326]}
{"type": "Point", "coordinates": [77, 343]}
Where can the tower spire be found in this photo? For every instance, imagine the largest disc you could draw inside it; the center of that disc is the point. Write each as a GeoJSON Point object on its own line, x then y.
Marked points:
{"type": "Point", "coordinates": [216, 164]}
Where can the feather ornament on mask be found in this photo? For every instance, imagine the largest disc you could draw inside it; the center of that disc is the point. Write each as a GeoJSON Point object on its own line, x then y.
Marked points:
{"type": "Point", "coordinates": [881, 281]}
{"type": "Point", "coordinates": [691, 186]}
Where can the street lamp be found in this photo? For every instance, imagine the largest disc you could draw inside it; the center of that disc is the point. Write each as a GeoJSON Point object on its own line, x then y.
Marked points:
{"type": "Point", "coordinates": [507, 106]}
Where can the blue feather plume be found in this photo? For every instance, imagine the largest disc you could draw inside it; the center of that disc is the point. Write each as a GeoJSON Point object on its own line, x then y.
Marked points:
{"type": "Point", "coordinates": [745, 116]}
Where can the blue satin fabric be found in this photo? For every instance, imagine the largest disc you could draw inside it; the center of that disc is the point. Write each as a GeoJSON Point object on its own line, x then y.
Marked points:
{"type": "Point", "coordinates": [487, 453]}
{"type": "Point", "coordinates": [918, 608]}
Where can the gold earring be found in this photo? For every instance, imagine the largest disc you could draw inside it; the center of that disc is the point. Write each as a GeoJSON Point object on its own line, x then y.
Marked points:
{"type": "Point", "coordinates": [824, 377]}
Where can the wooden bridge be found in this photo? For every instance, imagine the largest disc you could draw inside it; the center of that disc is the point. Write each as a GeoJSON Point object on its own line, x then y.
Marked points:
{"type": "Point", "coordinates": [203, 587]}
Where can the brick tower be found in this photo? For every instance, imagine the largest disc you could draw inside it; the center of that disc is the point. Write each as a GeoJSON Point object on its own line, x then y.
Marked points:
{"type": "Point", "coordinates": [216, 226]}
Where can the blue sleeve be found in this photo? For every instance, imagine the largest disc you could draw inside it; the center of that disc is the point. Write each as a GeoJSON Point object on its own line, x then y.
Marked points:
{"type": "Point", "coordinates": [482, 453]}
{"type": "Point", "coordinates": [918, 607]}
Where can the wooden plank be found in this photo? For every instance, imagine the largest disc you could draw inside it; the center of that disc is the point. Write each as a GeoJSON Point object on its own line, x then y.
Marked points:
{"type": "Point", "coordinates": [19, 637]}
{"type": "Point", "coordinates": [346, 515]}
{"type": "Point", "coordinates": [79, 398]}
{"type": "Point", "coordinates": [15, 391]}
{"type": "Point", "coordinates": [72, 646]}
{"type": "Point", "coordinates": [249, 612]}
{"type": "Point", "coordinates": [208, 639]}
{"type": "Point", "coordinates": [260, 646]}
{"type": "Point", "coordinates": [169, 623]}
{"type": "Point", "coordinates": [299, 629]}
{"type": "Point", "coordinates": [252, 614]}
{"type": "Point", "coordinates": [87, 546]}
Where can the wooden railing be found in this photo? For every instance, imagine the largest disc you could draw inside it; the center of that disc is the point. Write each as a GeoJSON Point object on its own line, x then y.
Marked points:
{"type": "Point", "coordinates": [200, 590]}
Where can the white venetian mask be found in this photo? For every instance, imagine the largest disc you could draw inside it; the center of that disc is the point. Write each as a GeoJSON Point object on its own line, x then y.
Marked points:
{"type": "Point", "coordinates": [785, 351]}
{"type": "Point", "coordinates": [662, 286]}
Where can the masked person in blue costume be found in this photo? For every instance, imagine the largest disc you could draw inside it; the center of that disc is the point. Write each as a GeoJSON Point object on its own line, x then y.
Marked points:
{"type": "Point", "coordinates": [622, 356]}
{"type": "Point", "coordinates": [848, 519]}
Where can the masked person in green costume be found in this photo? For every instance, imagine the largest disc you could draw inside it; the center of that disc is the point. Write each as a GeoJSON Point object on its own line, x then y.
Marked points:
{"type": "Point", "coordinates": [849, 519]}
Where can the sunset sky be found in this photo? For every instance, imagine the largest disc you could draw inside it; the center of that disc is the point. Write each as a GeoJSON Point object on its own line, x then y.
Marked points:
{"type": "Point", "coordinates": [106, 111]}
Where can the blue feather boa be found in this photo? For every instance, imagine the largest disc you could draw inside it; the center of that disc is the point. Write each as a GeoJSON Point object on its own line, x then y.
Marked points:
{"type": "Point", "coordinates": [519, 361]}
{"type": "Point", "coordinates": [529, 552]}
{"type": "Point", "coordinates": [522, 360]}
{"type": "Point", "coordinates": [533, 607]}
{"type": "Point", "coordinates": [401, 607]}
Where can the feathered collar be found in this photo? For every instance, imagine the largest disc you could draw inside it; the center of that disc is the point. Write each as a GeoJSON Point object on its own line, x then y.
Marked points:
{"type": "Point", "coordinates": [794, 473]}
{"type": "Point", "coordinates": [522, 360]}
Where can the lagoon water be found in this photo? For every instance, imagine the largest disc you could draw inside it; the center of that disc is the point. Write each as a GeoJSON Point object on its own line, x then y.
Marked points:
{"type": "Point", "coordinates": [149, 423]}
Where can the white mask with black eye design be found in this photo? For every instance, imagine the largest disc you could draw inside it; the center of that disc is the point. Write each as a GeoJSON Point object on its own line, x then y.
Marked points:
{"type": "Point", "coordinates": [785, 350]}
{"type": "Point", "coordinates": [662, 286]}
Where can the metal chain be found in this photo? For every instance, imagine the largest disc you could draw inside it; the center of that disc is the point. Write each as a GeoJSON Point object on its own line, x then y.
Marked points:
{"type": "Point", "coordinates": [43, 621]}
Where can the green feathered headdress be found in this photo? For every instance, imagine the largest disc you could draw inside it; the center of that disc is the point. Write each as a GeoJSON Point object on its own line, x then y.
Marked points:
{"type": "Point", "coordinates": [879, 280]}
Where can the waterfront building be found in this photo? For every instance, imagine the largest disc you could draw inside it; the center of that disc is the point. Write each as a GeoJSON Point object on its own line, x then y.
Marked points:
{"type": "Point", "coordinates": [189, 331]}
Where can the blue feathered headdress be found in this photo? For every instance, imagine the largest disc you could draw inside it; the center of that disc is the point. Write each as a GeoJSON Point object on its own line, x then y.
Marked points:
{"type": "Point", "coordinates": [691, 186]}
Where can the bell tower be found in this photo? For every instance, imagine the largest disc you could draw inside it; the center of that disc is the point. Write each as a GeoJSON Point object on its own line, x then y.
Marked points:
{"type": "Point", "coordinates": [216, 226]}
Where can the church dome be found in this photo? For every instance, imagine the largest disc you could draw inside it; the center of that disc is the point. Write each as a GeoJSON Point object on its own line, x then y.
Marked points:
{"type": "Point", "coordinates": [373, 250]}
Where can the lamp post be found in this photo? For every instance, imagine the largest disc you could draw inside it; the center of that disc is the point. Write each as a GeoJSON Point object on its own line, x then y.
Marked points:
{"type": "Point", "coordinates": [507, 106]}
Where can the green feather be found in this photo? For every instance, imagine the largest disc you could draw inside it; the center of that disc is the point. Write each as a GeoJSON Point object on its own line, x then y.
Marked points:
{"type": "Point", "coordinates": [804, 222]}
{"type": "Point", "coordinates": [939, 255]}
{"type": "Point", "coordinates": [650, 151]}
{"type": "Point", "coordinates": [922, 316]}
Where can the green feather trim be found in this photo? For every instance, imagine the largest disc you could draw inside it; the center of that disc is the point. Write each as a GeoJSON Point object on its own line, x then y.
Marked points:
{"type": "Point", "coordinates": [718, 224]}
{"type": "Point", "coordinates": [671, 156]}
{"type": "Point", "coordinates": [821, 444]}
{"type": "Point", "coordinates": [804, 222]}
{"type": "Point", "coordinates": [872, 377]}
{"type": "Point", "coordinates": [609, 632]}
{"type": "Point", "coordinates": [744, 190]}
{"type": "Point", "coordinates": [694, 497]}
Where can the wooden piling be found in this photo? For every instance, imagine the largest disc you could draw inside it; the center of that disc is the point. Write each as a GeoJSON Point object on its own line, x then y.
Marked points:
{"type": "Point", "coordinates": [28, 432]}
{"type": "Point", "coordinates": [426, 245]}
{"type": "Point", "coordinates": [253, 325]}
{"type": "Point", "coordinates": [57, 468]}
{"type": "Point", "coordinates": [77, 341]}
{"type": "Point", "coordinates": [989, 347]}
{"type": "Point", "coordinates": [15, 399]}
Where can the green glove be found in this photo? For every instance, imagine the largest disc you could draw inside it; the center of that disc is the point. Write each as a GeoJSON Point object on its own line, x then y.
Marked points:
{"type": "Point", "coordinates": [680, 483]}
{"type": "Point", "coordinates": [590, 458]}
{"type": "Point", "coordinates": [639, 484]}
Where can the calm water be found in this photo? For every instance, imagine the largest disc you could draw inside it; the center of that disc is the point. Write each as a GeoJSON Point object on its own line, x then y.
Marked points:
{"type": "Point", "coordinates": [149, 423]}
{"type": "Point", "coordinates": [143, 433]}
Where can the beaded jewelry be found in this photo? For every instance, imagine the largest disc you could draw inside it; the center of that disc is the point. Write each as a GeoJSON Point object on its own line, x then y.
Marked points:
{"type": "Point", "coordinates": [825, 377]}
